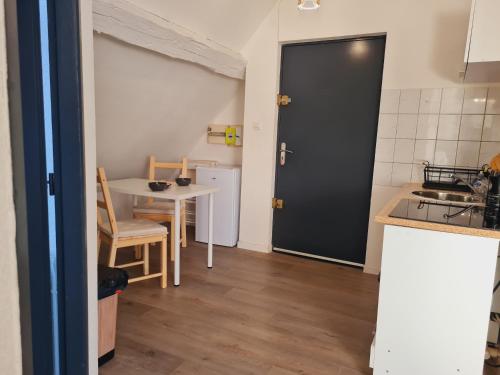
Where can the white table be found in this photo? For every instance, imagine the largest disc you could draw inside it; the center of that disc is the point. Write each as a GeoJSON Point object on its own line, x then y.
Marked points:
{"type": "Point", "coordinates": [139, 187]}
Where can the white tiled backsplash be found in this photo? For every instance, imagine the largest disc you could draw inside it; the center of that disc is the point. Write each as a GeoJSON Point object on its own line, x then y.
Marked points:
{"type": "Point", "coordinates": [451, 126]}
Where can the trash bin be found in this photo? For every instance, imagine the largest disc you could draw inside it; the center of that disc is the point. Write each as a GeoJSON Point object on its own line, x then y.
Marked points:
{"type": "Point", "coordinates": [111, 282]}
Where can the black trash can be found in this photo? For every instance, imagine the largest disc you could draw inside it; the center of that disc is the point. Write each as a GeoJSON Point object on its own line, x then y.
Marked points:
{"type": "Point", "coordinates": [111, 282]}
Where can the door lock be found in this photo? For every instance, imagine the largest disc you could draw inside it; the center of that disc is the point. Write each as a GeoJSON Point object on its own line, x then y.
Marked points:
{"type": "Point", "coordinates": [283, 152]}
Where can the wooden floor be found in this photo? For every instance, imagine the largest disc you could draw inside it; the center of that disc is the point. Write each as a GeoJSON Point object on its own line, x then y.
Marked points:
{"type": "Point", "coordinates": [252, 313]}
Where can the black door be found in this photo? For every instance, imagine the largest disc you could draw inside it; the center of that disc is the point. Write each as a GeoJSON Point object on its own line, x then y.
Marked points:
{"type": "Point", "coordinates": [329, 130]}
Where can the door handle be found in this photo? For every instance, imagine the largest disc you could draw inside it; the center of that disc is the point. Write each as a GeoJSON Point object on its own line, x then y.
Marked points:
{"type": "Point", "coordinates": [283, 152]}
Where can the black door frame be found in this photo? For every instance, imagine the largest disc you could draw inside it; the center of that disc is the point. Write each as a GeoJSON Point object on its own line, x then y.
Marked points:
{"type": "Point", "coordinates": [276, 154]}
{"type": "Point", "coordinates": [31, 188]}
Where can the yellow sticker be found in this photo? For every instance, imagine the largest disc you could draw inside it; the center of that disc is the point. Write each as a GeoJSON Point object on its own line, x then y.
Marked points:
{"type": "Point", "coordinates": [230, 136]}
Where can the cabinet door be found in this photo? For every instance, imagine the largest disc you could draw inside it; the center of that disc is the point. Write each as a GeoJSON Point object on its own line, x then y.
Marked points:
{"type": "Point", "coordinates": [223, 206]}
{"type": "Point", "coordinates": [434, 302]}
{"type": "Point", "coordinates": [484, 45]}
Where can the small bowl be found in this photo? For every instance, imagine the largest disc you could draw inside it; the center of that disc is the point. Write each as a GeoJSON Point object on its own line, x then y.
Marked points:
{"type": "Point", "coordinates": [158, 185]}
{"type": "Point", "coordinates": [181, 181]}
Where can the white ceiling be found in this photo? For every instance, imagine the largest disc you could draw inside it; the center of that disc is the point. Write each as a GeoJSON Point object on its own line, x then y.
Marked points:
{"type": "Point", "coordinates": [229, 22]}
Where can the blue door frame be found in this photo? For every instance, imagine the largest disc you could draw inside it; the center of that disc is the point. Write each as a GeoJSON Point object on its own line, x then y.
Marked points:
{"type": "Point", "coordinates": [54, 330]}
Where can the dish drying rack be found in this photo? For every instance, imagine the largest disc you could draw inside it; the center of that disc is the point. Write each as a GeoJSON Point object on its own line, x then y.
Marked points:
{"type": "Point", "coordinates": [449, 178]}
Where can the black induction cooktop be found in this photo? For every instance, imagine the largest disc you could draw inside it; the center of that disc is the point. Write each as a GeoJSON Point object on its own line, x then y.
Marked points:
{"type": "Point", "coordinates": [442, 213]}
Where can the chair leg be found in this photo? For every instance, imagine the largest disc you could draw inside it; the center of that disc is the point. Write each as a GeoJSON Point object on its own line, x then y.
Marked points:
{"type": "Point", "coordinates": [183, 229]}
{"type": "Point", "coordinates": [172, 240]}
{"type": "Point", "coordinates": [164, 262]}
{"type": "Point", "coordinates": [146, 259]}
{"type": "Point", "coordinates": [138, 252]}
{"type": "Point", "coordinates": [112, 254]}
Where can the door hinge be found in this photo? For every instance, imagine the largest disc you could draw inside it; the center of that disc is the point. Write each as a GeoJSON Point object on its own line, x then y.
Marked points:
{"type": "Point", "coordinates": [52, 184]}
{"type": "Point", "coordinates": [277, 203]}
{"type": "Point", "coordinates": [283, 100]}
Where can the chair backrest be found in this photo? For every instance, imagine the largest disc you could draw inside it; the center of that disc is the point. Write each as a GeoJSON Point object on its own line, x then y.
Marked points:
{"type": "Point", "coordinates": [154, 165]}
{"type": "Point", "coordinates": [106, 203]}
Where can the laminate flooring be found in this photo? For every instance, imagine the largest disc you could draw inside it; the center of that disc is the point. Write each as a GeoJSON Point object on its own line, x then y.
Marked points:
{"type": "Point", "coordinates": [253, 313]}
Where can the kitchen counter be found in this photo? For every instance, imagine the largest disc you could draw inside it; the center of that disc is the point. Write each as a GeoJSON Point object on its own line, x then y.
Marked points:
{"type": "Point", "coordinates": [436, 287]}
{"type": "Point", "coordinates": [384, 216]}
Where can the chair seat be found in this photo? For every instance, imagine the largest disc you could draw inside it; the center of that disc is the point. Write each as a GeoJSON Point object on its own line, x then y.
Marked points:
{"type": "Point", "coordinates": [165, 207]}
{"type": "Point", "coordinates": [135, 228]}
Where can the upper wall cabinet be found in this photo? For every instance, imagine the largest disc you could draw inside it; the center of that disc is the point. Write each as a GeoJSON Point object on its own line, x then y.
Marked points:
{"type": "Point", "coordinates": [482, 53]}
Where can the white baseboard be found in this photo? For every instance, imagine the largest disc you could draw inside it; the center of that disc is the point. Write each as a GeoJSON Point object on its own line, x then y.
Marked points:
{"type": "Point", "coordinates": [371, 271]}
{"type": "Point", "coordinates": [261, 248]}
{"type": "Point", "coordinates": [312, 256]}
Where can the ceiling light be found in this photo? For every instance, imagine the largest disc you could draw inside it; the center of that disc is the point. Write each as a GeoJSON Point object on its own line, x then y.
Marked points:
{"type": "Point", "coordinates": [308, 4]}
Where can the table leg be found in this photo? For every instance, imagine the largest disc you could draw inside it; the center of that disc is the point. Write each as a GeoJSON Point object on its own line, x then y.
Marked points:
{"type": "Point", "coordinates": [177, 231]}
{"type": "Point", "coordinates": [210, 228]}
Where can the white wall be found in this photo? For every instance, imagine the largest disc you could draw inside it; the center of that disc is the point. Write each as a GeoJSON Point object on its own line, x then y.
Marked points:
{"type": "Point", "coordinates": [147, 103]}
{"type": "Point", "coordinates": [425, 48]}
{"type": "Point", "coordinates": [231, 114]}
{"type": "Point", "coordinates": [259, 137]}
{"type": "Point", "coordinates": [10, 343]}
{"type": "Point", "coordinates": [425, 39]}
{"type": "Point", "coordinates": [151, 104]}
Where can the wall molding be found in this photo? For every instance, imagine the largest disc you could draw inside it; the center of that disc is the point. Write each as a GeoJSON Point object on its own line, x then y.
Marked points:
{"type": "Point", "coordinates": [261, 248]}
{"type": "Point", "coordinates": [124, 21]}
{"type": "Point", "coordinates": [371, 270]}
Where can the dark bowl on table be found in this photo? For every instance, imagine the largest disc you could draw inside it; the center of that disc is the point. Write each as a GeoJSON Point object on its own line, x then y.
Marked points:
{"type": "Point", "coordinates": [158, 185]}
{"type": "Point", "coordinates": [181, 181]}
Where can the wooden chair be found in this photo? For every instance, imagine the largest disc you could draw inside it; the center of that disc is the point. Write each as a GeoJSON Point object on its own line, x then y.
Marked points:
{"type": "Point", "coordinates": [163, 211]}
{"type": "Point", "coordinates": [119, 234]}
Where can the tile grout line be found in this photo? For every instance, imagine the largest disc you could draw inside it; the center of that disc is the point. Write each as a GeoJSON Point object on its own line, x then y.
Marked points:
{"type": "Point", "coordinates": [395, 137]}
{"type": "Point", "coordinates": [482, 127]}
{"type": "Point", "coordinates": [459, 128]}
{"type": "Point", "coordinates": [439, 123]}
{"type": "Point", "coordinates": [415, 139]}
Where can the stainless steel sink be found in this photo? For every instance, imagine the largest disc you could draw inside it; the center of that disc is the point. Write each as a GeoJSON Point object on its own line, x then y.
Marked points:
{"type": "Point", "coordinates": [441, 196]}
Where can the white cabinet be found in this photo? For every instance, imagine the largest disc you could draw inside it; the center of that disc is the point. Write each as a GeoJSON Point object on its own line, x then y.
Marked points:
{"type": "Point", "coordinates": [226, 204]}
{"type": "Point", "coordinates": [434, 302]}
{"type": "Point", "coordinates": [482, 53]}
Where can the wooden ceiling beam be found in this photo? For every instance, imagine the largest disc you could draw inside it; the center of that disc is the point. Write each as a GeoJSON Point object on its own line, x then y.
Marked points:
{"type": "Point", "coordinates": [125, 21]}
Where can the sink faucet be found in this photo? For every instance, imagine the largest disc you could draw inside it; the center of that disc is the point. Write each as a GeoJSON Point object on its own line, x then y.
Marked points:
{"type": "Point", "coordinates": [479, 186]}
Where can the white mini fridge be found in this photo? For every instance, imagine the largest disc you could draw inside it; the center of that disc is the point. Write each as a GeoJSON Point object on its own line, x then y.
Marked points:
{"type": "Point", "coordinates": [226, 204]}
